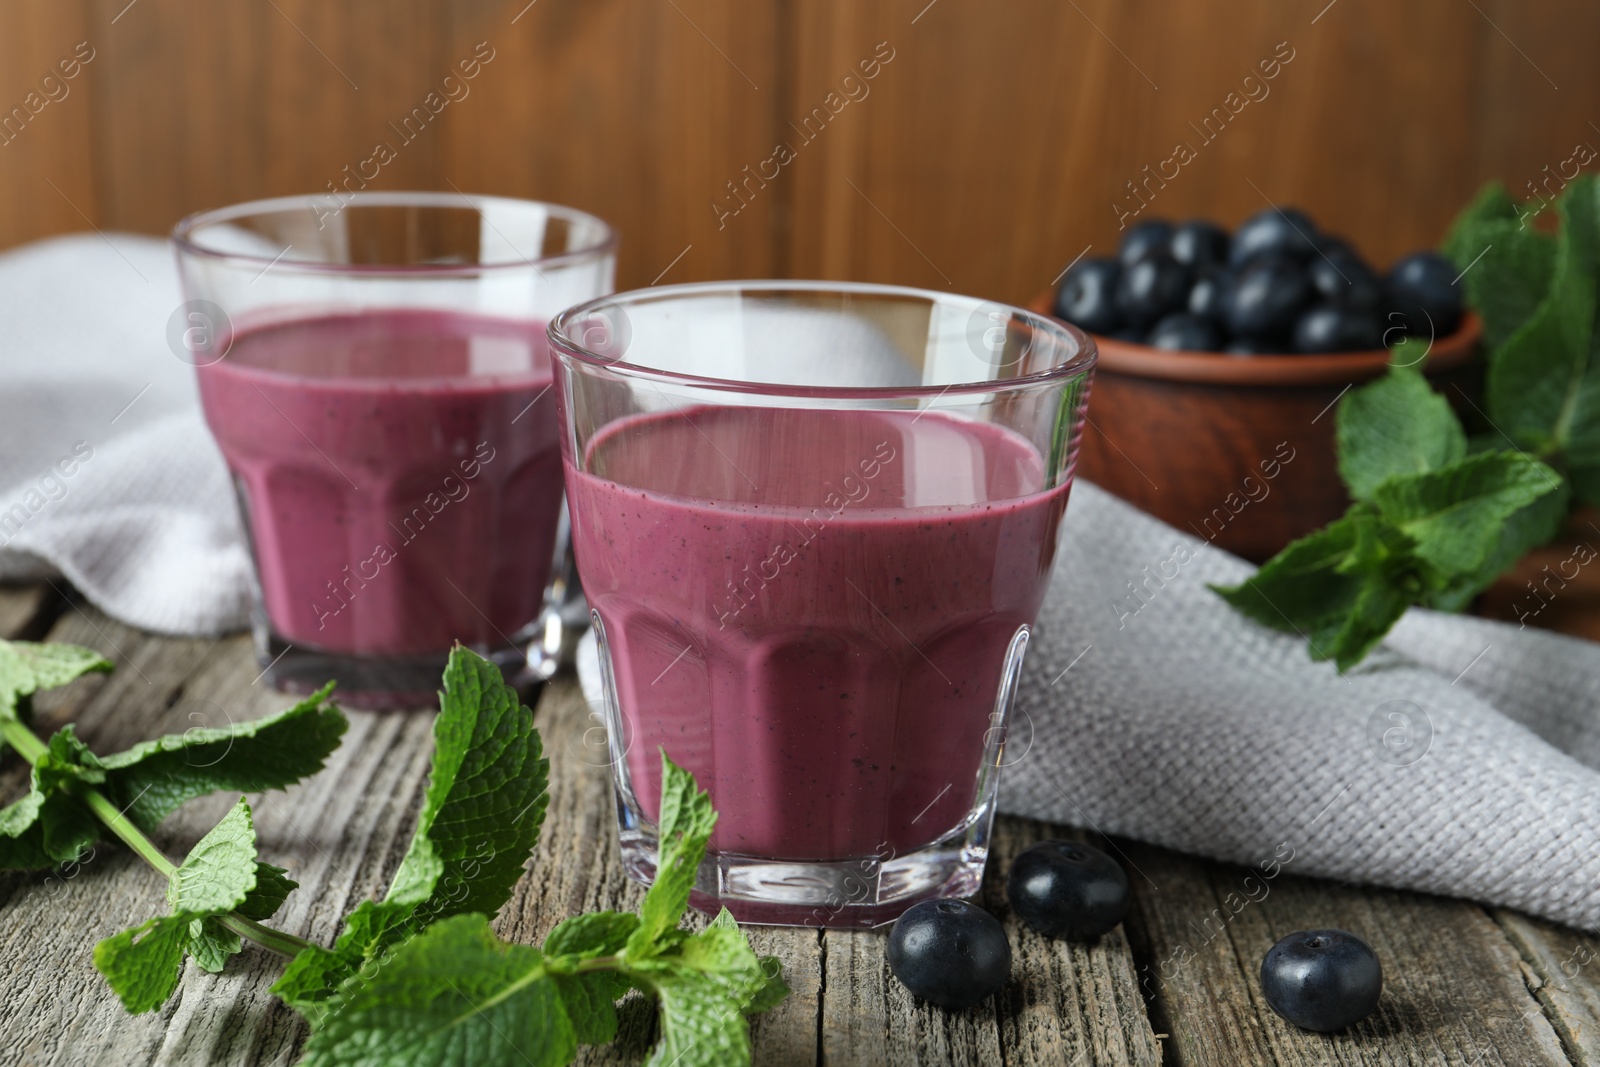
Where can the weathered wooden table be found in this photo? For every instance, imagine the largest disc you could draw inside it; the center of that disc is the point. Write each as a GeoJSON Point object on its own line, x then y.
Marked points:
{"type": "Point", "coordinates": [1464, 984]}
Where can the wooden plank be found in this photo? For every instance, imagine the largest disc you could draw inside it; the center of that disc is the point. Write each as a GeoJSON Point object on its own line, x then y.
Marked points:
{"type": "Point", "coordinates": [1066, 1003]}
{"type": "Point", "coordinates": [46, 176]}
{"type": "Point", "coordinates": [1562, 966]}
{"type": "Point", "coordinates": [21, 606]}
{"type": "Point", "coordinates": [641, 113]}
{"type": "Point", "coordinates": [1454, 991]}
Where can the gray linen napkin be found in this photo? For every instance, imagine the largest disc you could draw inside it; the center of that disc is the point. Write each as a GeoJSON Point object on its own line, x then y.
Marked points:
{"type": "Point", "coordinates": [107, 473]}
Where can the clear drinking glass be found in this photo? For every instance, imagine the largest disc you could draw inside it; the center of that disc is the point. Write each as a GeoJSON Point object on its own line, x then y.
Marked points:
{"type": "Point", "coordinates": [376, 372]}
{"type": "Point", "coordinates": [814, 522]}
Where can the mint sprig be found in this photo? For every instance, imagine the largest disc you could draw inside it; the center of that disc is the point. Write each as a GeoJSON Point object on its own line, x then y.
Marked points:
{"type": "Point", "coordinates": [418, 977]}
{"type": "Point", "coordinates": [1437, 517]}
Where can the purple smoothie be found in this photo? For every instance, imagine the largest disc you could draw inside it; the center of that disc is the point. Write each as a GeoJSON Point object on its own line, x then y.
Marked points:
{"type": "Point", "coordinates": [400, 473]}
{"type": "Point", "coordinates": [818, 633]}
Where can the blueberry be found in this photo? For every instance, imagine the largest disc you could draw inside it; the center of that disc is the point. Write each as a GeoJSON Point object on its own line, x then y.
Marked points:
{"type": "Point", "coordinates": [1151, 287]}
{"type": "Point", "coordinates": [1182, 332]}
{"type": "Point", "coordinates": [1287, 231]}
{"type": "Point", "coordinates": [1341, 277]}
{"type": "Point", "coordinates": [1085, 296]}
{"type": "Point", "coordinates": [1245, 346]}
{"type": "Point", "coordinates": [1322, 980]}
{"type": "Point", "coordinates": [1197, 242]}
{"type": "Point", "coordinates": [1064, 889]}
{"type": "Point", "coordinates": [1134, 335]}
{"type": "Point", "coordinates": [1266, 297]}
{"type": "Point", "coordinates": [1422, 287]}
{"type": "Point", "coordinates": [1208, 295]}
{"type": "Point", "coordinates": [1153, 235]}
{"type": "Point", "coordinates": [949, 953]}
{"type": "Point", "coordinates": [1330, 328]}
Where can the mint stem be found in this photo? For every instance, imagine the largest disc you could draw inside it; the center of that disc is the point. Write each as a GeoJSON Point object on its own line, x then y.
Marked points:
{"type": "Point", "coordinates": [30, 748]}
{"type": "Point", "coordinates": [130, 834]}
{"type": "Point", "coordinates": [265, 936]}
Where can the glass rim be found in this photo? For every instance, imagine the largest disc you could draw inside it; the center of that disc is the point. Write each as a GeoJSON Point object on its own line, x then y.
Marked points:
{"type": "Point", "coordinates": [183, 234]}
{"type": "Point", "coordinates": [1083, 359]}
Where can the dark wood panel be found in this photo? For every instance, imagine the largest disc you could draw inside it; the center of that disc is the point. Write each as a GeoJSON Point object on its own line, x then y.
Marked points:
{"type": "Point", "coordinates": [46, 176]}
{"type": "Point", "coordinates": [996, 144]}
{"type": "Point", "coordinates": [641, 113]}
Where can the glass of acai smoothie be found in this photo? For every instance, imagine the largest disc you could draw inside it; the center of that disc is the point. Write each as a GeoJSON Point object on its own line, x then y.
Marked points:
{"type": "Point", "coordinates": [815, 522]}
{"type": "Point", "coordinates": [375, 370]}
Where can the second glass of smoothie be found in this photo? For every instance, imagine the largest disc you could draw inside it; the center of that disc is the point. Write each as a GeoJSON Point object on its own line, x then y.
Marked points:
{"type": "Point", "coordinates": [815, 523]}
{"type": "Point", "coordinates": [376, 372]}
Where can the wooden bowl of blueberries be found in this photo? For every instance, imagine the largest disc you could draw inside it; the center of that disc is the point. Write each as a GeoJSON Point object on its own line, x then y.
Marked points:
{"type": "Point", "coordinates": [1222, 358]}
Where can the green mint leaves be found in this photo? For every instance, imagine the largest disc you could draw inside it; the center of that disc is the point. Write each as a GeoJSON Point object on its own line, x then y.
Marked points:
{"type": "Point", "coordinates": [219, 876]}
{"type": "Point", "coordinates": [53, 823]}
{"type": "Point", "coordinates": [480, 820]}
{"type": "Point", "coordinates": [418, 977]}
{"type": "Point", "coordinates": [1436, 520]}
{"type": "Point", "coordinates": [448, 992]}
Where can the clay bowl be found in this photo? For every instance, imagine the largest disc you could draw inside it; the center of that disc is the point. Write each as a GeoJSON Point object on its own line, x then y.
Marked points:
{"type": "Point", "coordinates": [1237, 450]}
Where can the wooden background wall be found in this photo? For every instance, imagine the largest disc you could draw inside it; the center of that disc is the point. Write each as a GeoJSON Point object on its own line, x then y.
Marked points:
{"type": "Point", "coordinates": [986, 153]}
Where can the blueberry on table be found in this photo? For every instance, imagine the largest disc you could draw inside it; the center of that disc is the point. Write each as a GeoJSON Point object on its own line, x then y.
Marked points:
{"type": "Point", "coordinates": [1183, 332]}
{"type": "Point", "coordinates": [1341, 277]}
{"type": "Point", "coordinates": [1197, 243]}
{"type": "Point", "coordinates": [1425, 282]}
{"type": "Point", "coordinates": [1065, 889]}
{"type": "Point", "coordinates": [1266, 297]}
{"type": "Point", "coordinates": [1209, 293]}
{"type": "Point", "coordinates": [1323, 980]}
{"type": "Point", "coordinates": [949, 953]}
{"type": "Point", "coordinates": [1145, 238]}
{"type": "Point", "coordinates": [1330, 328]}
{"type": "Point", "coordinates": [1286, 231]}
{"type": "Point", "coordinates": [1151, 287]}
{"type": "Point", "coordinates": [1085, 296]}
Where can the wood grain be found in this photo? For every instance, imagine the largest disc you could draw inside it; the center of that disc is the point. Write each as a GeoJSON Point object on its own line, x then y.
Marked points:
{"type": "Point", "coordinates": [990, 151]}
{"type": "Point", "coordinates": [47, 181]}
{"type": "Point", "coordinates": [1454, 986]}
{"type": "Point", "coordinates": [1463, 986]}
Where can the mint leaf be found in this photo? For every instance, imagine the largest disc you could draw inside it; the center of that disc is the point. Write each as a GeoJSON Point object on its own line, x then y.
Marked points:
{"type": "Point", "coordinates": [1527, 529]}
{"type": "Point", "coordinates": [1455, 514]}
{"type": "Point", "coordinates": [594, 934]}
{"type": "Point", "coordinates": [1421, 538]}
{"type": "Point", "coordinates": [27, 667]}
{"type": "Point", "coordinates": [480, 819]}
{"type": "Point", "coordinates": [50, 825]}
{"type": "Point", "coordinates": [704, 987]}
{"type": "Point", "coordinates": [683, 830]}
{"type": "Point", "coordinates": [1506, 265]}
{"type": "Point", "coordinates": [272, 888]}
{"type": "Point", "coordinates": [143, 965]}
{"type": "Point", "coordinates": [590, 999]}
{"type": "Point", "coordinates": [220, 871]}
{"type": "Point", "coordinates": [211, 943]}
{"type": "Point", "coordinates": [1395, 425]}
{"type": "Point", "coordinates": [1341, 588]}
{"type": "Point", "coordinates": [451, 996]}
{"type": "Point", "coordinates": [700, 1026]}
{"type": "Point", "coordinates": [1534, 378]}
{"type": "Point", "coordinates": [150, 780]}
{"type": "Point", "coordinates": [22, 835]}
{"type": "Point", "coordinates": [772, 992]}
{"type": "Point", "coordinates": [486, 797]}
